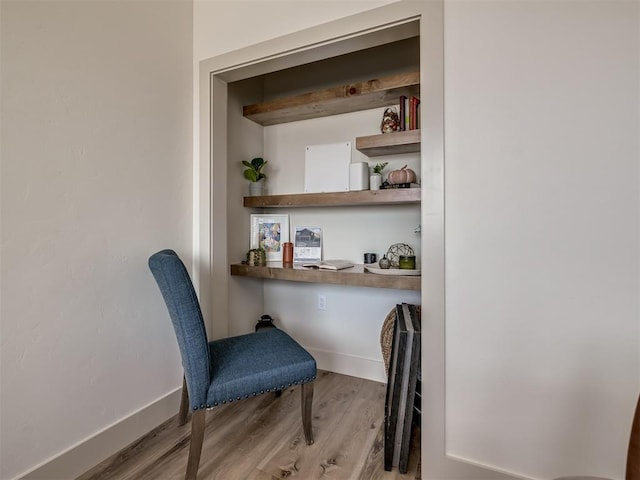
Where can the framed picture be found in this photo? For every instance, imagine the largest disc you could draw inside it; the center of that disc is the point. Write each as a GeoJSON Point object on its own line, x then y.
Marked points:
{"type": "Point", "coordinates": [307, 246]}
{"type": "Point", "coordinates": [270, 232]}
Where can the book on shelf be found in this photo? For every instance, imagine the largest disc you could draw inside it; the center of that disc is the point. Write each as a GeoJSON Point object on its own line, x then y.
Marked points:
{"type": "Point", "coordinates": [414, 103]}
{"type": "Point", "coordinates": [409, 113]}
{"type": "Point", "coordinates": [403, 113]}
{"type": "Point", "coordinates": [329, 264]}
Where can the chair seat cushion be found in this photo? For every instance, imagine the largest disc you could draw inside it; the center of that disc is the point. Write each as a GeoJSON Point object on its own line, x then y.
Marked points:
{"type": "Point", "coordinates": [256, 363]}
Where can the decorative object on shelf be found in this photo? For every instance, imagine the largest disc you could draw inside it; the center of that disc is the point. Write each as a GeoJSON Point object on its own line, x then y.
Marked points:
{"type": "Point", "coordinates": [392, 271]}
{"type": "Point", "coordinates": [308, 245]}
{"type": "Point", "coordinates": [287, 252]}
{"type": "Point", "coordinates": [407, 262]}
{"type": "Point", "coordinates": [395, 251]}
{"type": "Point", "coordinates": [256, 189]}
{"type": "Point", "coordinates": [376, 177]}
{"type": "Point", "coordinates": [398, 186]}
{"type": "Point", "coordinates": [358, 176]}
{"type": "Point", "coordinates": [370, 258]}
{"type": "Point", "coordinates": [256, 257]}
{"type": "Point", "coordinates": [326, 167]}
{"type": "Point", "coordinates": [270, 232]}
{"type": "Point", "coordinates": [384, 262]}
{"type": "Point", "coordinates": [255, 175]}
{"type": "Point", "coordinates": [390, 120]}
{"type": "Point", "coordinates": [401, 176]}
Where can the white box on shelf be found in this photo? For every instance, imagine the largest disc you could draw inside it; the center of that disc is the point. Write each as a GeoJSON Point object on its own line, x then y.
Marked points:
{"type": "Point", "coordinates": [326, 167]}
{"type": "Point", "coordinates": [359, 176]}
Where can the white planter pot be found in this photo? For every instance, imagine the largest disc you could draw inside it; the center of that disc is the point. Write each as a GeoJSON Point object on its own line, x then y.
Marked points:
{"type": "Point", "coordinates": [375, 181]}
{"type": "Point", "coordinates": [256, 189]}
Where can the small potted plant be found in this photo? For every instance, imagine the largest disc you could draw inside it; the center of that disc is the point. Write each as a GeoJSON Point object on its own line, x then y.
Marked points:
{"type": "Point", "coordinates": [376, 177]}
{"type": "Point", "coordinates": [255, 175]}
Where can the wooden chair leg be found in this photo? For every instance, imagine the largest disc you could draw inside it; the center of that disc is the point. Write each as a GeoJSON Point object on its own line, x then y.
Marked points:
{"type": "Point", "coordinates": [195, 446]}
{"type": "Point", "coordinates": [307, 401]}
{"type": "Point", "coordinates": [184, 404]}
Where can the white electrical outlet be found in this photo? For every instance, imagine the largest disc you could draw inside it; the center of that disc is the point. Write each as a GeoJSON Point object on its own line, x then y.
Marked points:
{"type": "Point", "coordinates": [322, 302]}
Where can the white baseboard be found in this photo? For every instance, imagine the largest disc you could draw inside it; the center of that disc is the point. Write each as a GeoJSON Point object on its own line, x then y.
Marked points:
{"type": "Point", "coordinates": [88, 453]}
{"type": "Point", "coordinates": [349, 365]}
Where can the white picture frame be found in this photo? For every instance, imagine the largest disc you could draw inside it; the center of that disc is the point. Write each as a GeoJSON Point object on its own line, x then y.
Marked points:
{"type": "Point", "coordinates": [307, 244]}
{"type": "Point", "coordinates": [270, 232]}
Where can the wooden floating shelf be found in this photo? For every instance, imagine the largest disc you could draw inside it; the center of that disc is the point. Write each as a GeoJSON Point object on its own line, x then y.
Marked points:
{"type": "Point", "coordinates": [355, 276]}
{"type": "Point", "coordinates": [352, 97]}
{"type": "Point", "coordinates": [391, 196]}
{"type": "Point", "coordinates": [389, 143]}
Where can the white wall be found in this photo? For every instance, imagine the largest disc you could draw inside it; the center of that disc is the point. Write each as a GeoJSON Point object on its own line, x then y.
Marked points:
{"type": "Point", "coordinates": [216, 23]}
{"type": "Point", "coordinates": [96, 176]}
{"type": "Point", "coordinates": [542, 228]}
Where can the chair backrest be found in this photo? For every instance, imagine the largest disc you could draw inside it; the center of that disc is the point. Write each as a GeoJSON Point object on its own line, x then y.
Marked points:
{"type": "Point", "coordinates": [178, 293]}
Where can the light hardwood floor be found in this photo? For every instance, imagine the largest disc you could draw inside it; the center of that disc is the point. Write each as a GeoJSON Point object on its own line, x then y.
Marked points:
{"type": "Point", "coordinates": [262, 439]}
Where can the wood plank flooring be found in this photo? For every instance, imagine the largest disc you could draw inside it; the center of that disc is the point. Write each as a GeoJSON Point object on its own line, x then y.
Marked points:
{"type": "Point", "coordinates": [262, 439]}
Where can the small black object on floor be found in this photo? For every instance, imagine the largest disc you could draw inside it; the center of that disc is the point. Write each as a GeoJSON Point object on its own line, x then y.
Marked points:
{"type": "Point", "coordinates": [265, 322]}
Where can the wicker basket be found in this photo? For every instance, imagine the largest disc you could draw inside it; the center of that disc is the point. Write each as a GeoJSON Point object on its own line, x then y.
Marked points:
{"type": "Point", "coordinates": [386, 336]}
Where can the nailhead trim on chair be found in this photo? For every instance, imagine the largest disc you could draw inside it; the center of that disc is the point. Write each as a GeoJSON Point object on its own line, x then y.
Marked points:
{"type": "Point", "coordinates": [253, 394]}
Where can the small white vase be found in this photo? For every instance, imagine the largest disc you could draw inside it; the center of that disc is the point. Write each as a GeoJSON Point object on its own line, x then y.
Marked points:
{"type": "Point", "coordinates": [375, 181]}
{"type": "Point", "coordinates": [256, 189]}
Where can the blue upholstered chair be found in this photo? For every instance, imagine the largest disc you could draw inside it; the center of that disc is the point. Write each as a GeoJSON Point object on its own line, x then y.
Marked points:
{"type": "Point", "coordinates": [230, 369]}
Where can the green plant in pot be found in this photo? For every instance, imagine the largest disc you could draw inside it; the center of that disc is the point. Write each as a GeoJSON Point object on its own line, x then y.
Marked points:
{"type": "Point", "coordinates": [376, 177]}
{"type": "Point", "coordinates": [255, 175]}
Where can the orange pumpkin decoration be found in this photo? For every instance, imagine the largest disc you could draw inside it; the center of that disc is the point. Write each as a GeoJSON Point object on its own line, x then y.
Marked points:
{"type": "Point", "coordinates": [404, 175]}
